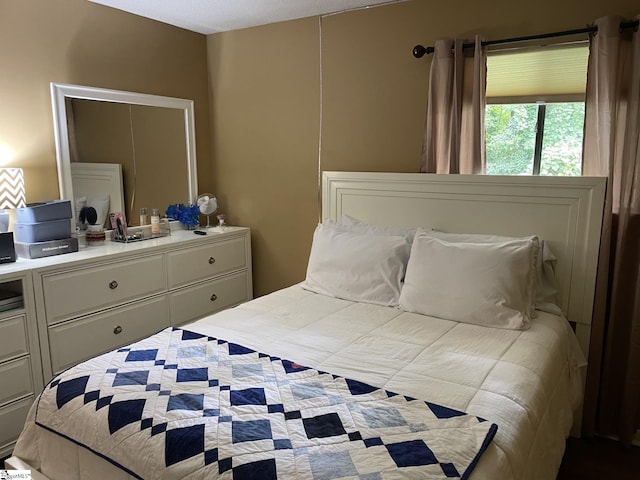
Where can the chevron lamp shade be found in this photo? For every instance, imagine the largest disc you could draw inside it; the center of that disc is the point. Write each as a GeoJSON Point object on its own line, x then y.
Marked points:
{"type": "Point", "coordinates": [12, 188]}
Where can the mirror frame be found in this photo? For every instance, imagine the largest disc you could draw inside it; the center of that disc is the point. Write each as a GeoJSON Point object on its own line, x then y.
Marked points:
{"type": "Point", "coordinates": [60, 92]}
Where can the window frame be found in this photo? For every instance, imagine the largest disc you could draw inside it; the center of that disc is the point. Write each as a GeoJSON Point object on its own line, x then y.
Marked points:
{"type": "Point", "coordinates": [541, 101]}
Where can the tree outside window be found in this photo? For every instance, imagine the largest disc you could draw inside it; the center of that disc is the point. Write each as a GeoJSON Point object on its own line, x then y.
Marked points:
{"type": "Point", "coordinates": [534, 138]}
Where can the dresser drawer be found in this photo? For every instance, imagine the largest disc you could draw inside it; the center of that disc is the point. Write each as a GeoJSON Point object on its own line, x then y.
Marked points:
{"type": "Point", "coordinates": [205, 298]}
{"type": "Point", "coordinates": [75, 341]}
{"type": "Point", "coordinates": [202, 263]}
{"type": "Point", "coordinates": [12, 419]}
{"type": "Point", "coordinates": [15, 380]}
{"type": "Point", "coordinates": [13, 338]}
{"type": "Point", "coordinates": [86, 290]}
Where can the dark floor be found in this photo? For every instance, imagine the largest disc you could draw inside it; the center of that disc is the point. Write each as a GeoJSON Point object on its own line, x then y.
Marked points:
{"type": "Point", "coordinates": [599, 459]}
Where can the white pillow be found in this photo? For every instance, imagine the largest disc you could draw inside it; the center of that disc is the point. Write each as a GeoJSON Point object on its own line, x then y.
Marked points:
{"type": "Point", "coordinates": [359, 226]}
{"type": "Point", "coordinates": [546, 261]}
{"type": "Point", "coordinates": [356, 266]}
{"type": "Point", "coordinates": [490, 284]}
{"type": "Point", "coordinates": [547, 286]}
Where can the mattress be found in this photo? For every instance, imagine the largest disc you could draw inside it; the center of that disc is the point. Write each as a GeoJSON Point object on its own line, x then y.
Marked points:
{"type": "Point", "coordinates": [527, 382]}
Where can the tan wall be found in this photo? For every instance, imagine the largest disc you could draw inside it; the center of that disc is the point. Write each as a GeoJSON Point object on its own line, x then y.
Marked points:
{"type": "Point", "coordinates": [265, 111]}
{"type": "Point", "coordinates": [259, 152]}
{"type": "Point", "coordinates": [79, 42]}
{"type": "Point", "coordinates": [265, 106]}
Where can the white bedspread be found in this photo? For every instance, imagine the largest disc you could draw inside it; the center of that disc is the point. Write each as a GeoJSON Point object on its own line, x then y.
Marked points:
{"type": "Point", "coordinates": [528, 382]}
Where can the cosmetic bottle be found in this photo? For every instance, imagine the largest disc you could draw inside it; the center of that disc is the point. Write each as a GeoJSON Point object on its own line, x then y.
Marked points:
{"type": "Point", "coordinates": [155, 223]}
{"type": "Point", "coordinates": [165, 228]}
{"type": "Point", "coordinates": [81, 236]}
{"type": "Point", "coordinates": [143, 217]}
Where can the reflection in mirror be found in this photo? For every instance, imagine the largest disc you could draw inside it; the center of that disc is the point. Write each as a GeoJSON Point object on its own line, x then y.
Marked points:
{"type": "Point", "coordinates": [151, 137]}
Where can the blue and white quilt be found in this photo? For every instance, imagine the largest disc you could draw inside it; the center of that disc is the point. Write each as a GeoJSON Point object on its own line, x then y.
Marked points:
{"type": "Point", "coordinates": [183, 405]}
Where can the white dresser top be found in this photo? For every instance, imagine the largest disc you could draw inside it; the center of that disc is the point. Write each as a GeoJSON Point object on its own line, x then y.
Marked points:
{"type": "Point", "coordinates": [113, 250]}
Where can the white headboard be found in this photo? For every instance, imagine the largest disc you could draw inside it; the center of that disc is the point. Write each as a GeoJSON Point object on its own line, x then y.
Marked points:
{"type": "Point", "coordinates": [565, 211]}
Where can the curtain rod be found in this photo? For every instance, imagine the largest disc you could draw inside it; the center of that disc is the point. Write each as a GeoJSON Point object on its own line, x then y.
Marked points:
{"type": "Point", "coordinates": [419, 51]}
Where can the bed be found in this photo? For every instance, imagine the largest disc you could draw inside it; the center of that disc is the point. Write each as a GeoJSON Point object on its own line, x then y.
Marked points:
{"type": "Point", "coordinates": [509, 393]}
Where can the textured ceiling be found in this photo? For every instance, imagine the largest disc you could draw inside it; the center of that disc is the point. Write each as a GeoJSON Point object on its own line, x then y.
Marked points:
{"type": "Point", "coordinates": [212, 16]}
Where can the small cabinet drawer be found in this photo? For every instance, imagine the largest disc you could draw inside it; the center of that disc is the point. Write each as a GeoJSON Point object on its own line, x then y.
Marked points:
{"type": "Point", "coordinates": [205, 298]}
{"type": "Point", "coordinates": [13, 338]}
{"type": "Point", "coordinates": [89, 336]}
{"type": "Point", "coordinates": [202, 263]}
{"type": "Point", "coordinates": [12, 419]}
{"type": "Point", "coordinates": [15, 379]}
{"type": "Point", "coordinates": [86, 290]}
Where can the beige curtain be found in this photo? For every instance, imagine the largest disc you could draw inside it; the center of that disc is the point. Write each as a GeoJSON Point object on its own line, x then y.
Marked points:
{"type": "Point", "coordinates": [611, 148]}
{"type": "Point", "coordinates": [454, 131]}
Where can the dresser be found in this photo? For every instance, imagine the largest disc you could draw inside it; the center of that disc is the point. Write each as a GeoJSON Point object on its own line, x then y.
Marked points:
{"type": "Point", "coordinates": [20, 366]}
{"type": "Point", "coordinates": [82, 304]}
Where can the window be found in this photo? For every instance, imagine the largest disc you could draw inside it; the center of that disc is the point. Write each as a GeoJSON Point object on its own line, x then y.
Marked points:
{"type": "Point", "coordinates": [534, 117]}
{"type": "Point", "coordinates": [534, 139]}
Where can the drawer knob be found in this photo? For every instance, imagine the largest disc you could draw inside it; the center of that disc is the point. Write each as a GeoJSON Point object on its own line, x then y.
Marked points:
{"type": "Point", "coordinates": [212, 260]}
{"type": "Point", "coordinates": [113, 285]}
{"type": "Point", "coordinates": [117, 329]}
{"type": "Point", "coordinates": [214, 297]}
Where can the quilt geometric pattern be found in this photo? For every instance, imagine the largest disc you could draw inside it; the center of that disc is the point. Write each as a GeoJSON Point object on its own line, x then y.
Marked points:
{"type": "Point", "coordinates": [180, 404]}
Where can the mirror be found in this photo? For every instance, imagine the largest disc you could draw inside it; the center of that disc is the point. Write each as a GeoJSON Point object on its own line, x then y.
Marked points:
{"type": "Point", "coordinates": [152, 137]}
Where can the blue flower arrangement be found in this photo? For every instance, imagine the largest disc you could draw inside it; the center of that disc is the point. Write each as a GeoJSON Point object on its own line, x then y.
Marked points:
{"type": "Point", "coordinates": [188, 215]}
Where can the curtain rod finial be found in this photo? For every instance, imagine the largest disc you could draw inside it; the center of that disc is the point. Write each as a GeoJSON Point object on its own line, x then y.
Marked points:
{"type": "Point", "coordinates": [419, 51]}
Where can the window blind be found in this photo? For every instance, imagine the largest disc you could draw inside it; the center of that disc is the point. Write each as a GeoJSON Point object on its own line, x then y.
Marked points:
{"type": "Point", "coordinates": [543, 73]}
